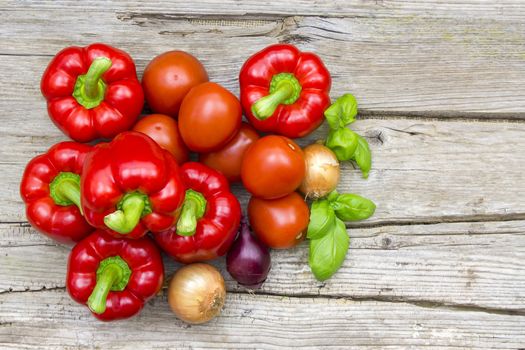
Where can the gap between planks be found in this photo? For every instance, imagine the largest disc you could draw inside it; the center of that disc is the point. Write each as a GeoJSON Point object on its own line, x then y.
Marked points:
{"type": "Point", "coordinates": [391, 223]}
{"type": "Point", "coordinates": [378, 114]}
{"type": "Point", "coordinates": [503, 10]}
{"type": "Point", "coordinates": [385, 223]}
{"type": "Point", "coordinates": [467, 269]}
{"type": "Point", "coordinates": [429, 304]}
{"type": "Point", "coordinates": [444, 64]}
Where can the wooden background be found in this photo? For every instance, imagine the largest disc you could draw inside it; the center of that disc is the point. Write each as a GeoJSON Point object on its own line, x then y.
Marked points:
{"type": "Point", "coordinates": [441, 87]}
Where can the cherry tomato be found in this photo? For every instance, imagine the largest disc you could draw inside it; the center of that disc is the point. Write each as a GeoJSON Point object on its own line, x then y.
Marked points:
{"type": "Point", "coordinates": [168, 78]}
{"type": "Point", "coordinates": [273, 167]}
{"type": "Point", "coordinates": [279, 223]}
{"type": "Point", "coordinates": [163, 129]}
{"type": "Point", "coordinates": [209, 117]}
{"type": "Point", "coordinates": [228, 159]}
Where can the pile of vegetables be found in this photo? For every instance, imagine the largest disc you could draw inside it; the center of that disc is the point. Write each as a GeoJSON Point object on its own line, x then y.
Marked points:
{"type": "Point", "coordinates": [124, 191]}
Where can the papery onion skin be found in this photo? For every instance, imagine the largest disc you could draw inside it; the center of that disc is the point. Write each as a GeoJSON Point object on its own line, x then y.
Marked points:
{"type": "Point", "coordinates": [196, 293]}
{"type": "Point", "coordinates": [248, 260]}
{"type": "Point", "coordinates": [322, 171]}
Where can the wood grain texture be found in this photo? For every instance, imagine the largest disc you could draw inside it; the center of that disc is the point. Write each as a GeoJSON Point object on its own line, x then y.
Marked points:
{"type": "Point", "coordinates": [476, 265]}
{"type": "Point", "coordinates": [423, 170]}
{"type": "Point", "coordinates": [439, 66]}
{"type": "Point", "coordinates": [440, 265]}
{"type": "Point", "coordinates": [256, 322]}
{"type": "Point", "coordinates": [502, 9]}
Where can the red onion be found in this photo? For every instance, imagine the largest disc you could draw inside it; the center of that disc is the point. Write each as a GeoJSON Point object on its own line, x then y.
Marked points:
{"type": "Point", "coordinates": [248, 260]}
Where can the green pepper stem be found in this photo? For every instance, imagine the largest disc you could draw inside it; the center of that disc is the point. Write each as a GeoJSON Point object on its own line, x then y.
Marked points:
{"type": "Point", "coordinates": [284, 89]}
{"type": "Point", "coordinates": [113, 274]}
{"type": "Point", "coordinates": [71, 191]}
{"type": "Point", "coordinates": [90, 88]}
{"type": "Point", "coordinates": [193, 209]}
{"type": "Point", "coordinates": [97, 299]}
{"type": "Point", "coordinates": [65, 189]}
{"type": "Point", "coordinates": [98, 67]}
{"type": "Point", "coordinates": [265, 107]}
{"type": "Point", "coordinates": [127, 217]}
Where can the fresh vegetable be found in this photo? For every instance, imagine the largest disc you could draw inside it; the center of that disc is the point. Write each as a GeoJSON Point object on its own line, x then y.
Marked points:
{"type": "Point", "coordinates": [168, 78]}
{"type": "Point", "coordinates": [322, 219]}
{"type": "Point", "coordinates": [164, 130]}
{"type": "Point", "coordinates": [279, 223]}
{"type": "Point", "coordinates": [322, 171]}
{"type": "Point", "coordinates": [114, 277]}
{"type": "Point", "coordinates": [50, 189]}
{"type": "Point", "coordinates": [327, 253]}
{"type": "Point", "coordinates": [363, 156]}
{"type": "Point", "coordinates": [142, 182]}
{"type": "Point", "coordinates": [209, 117]}
{"type": "Point", "coordinates": [351, 207]}
{"type": "Point", "coordinates": [228, 159]}
{"type": "Point", "coordinates": [130, 186]}
{"type": "Point", "coordinates": [92, 92]}
{"type": "Point", "coordinates": [196, 293]}
{"type": "Point", "coordinates": [248, 260]}
{"type": "Point", "coordinates": [209, 219]}
{"type": "Point", "coordinates": [285, 91]}
{"type": "Point", "coordinates": [273, 167]}
{"type": "Point", "coordinates": [329, 240]}
{"type": "Point", "coordinates": [345, 143]}
{"type": "Point", "coordinates": [342, 112]}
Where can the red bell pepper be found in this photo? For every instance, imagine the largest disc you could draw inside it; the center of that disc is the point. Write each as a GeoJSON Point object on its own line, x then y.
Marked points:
{"type": "Point", "coordinates": [114, 277]}
{"type": "Point", "coordinates": [284, 90]}
{"type": "Point", "coordinates": [92, 92]}
{"type": "Point", "coordinates": [130, 186]}
{"type": "Point", "coordinates": [50, 188]}
{"type": "Point", "coordinates": [209, 220]}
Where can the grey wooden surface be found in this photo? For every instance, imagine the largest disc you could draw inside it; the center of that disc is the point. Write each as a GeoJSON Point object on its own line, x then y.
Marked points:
{"type": "Point", "coordinates": [441, 86]}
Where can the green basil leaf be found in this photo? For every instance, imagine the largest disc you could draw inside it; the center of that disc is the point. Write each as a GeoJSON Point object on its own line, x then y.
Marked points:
{"type": "Point", "coordinates": [342, 112]}
{"type": "Point", "coordinates": [352, 207]}
{"type": "Point", "coordinates": [363, 156]}
{"type": "Point", "coordinates": [328, 252]}
{"type": "Point", "coordinates": [332, 196]}
{"type": "Point", "coordinates": [343, 142]}
{"type": "Point", "coordinates": [322, 219]}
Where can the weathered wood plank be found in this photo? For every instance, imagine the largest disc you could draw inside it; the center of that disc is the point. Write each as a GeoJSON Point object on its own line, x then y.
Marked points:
{"type": "Point", "coordinates": [443, 285]}
{"type": "Point", "coordinates": [410, 64]}
{"type": "Point", "coordinates": [49, 319]}
{"type": "Point", "coordinates": [503, 9]}
{"type": "Point", "coordinates": [423, 171]}
{"type": "Point", "coordinates": [470, 264]}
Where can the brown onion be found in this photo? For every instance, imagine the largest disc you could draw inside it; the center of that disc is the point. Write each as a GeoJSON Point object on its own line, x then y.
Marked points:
{"type": "Point", "coordinates": [196, 293]}
{"type": "Point", "coordinates": [322, 171]}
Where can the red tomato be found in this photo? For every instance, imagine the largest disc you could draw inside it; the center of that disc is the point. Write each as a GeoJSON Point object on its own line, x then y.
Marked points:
{"type": "Point", "coordinates": [279, 223]}
{"type": "Point", "coordinates": [168, 78]}
{"type": "Point", "coordinates": [273, 167]}
{"type": "Point", "coordinates": [163, 129]}
{"type": "Point", "coordinates": [209, 117]}
{"type": "Point", "coordinates": [228, 159]}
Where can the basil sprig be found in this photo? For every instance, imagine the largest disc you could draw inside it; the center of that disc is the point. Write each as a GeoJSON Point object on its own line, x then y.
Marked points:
{"type": "Point", "coordinates": [342, 112]}
{"type": "Point", "coordinates": [328, 252]}
{"type": "Point", "coordinates": [329, 240]}
{"type": "Point", "coordinates": [345, 143]}
{"type": "Point", "coordinates": [322, 219]}
{"type": "Point", "coordinates": [362, 156]}
{"type": "Point", "coordinates": [352, 207]}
